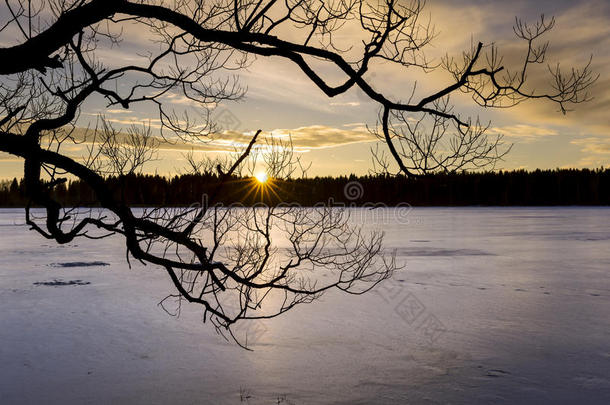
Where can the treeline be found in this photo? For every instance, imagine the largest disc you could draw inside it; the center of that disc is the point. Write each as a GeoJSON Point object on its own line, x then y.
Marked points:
{"type": "Point", "coordinates": [540, 187]}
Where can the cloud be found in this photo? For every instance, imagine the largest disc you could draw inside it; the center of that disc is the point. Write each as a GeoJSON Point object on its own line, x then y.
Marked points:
{"type": "Point", "coordinates": [582, 31]}
{"type": "Point", "coordinates": [117, 111]}
{"type": "Point", "coordinates": [175, 98]}
{"type": "Point", "coordinates": [593, 145]}
{"type": "Point", "coordinates": [346, 104]}
{"type": "Point", "coordinates": [596, 151]}
{"type": "Point", "coordinates": [320, 136]}
{"type": "Point", "coordinates": [302, 139]}
{"type": "Point", "coordinates": [523, 132]}
{"type": "Point", "coordinates": [137, 121]}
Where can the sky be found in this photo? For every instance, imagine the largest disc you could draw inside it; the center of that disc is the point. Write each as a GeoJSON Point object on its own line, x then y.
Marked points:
{"type": "Point", "coordinates": [332, 133]}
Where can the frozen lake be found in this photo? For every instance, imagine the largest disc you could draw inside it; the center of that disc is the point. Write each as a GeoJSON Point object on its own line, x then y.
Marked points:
{"type": "Point", "coordinates": [495, 306]}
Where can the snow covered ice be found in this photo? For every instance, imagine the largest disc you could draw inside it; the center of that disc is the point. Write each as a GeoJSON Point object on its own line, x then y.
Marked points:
{"type": "Point", "coordinates": [495, 306]}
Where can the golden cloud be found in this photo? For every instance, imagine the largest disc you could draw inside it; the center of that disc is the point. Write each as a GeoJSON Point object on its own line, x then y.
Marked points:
{"type": "Point", "coordinates": [301, 139]}
{"type": "Point", "coordinates": [594, 145]}
{"type": "Point", "coordinates": [523, 132]}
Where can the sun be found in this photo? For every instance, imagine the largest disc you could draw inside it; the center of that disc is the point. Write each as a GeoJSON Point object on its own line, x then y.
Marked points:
{"type": "Point", "coordinates": [261, 177]}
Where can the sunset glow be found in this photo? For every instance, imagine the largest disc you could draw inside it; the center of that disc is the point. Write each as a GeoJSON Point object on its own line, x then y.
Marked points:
{"type": "Point", "coordinates": [261, 177]}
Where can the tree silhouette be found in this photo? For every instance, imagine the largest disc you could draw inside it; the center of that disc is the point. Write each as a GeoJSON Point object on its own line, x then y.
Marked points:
{"type": "Point", "coordinates": [55, 66]}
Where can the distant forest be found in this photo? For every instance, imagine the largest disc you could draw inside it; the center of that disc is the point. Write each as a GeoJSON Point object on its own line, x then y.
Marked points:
{"type": "Point", "coordinates": [507, 188]}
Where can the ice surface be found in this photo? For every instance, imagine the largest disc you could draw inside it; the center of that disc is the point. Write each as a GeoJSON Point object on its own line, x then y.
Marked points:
{"type": "Point", "coordinates": [499, 306]}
